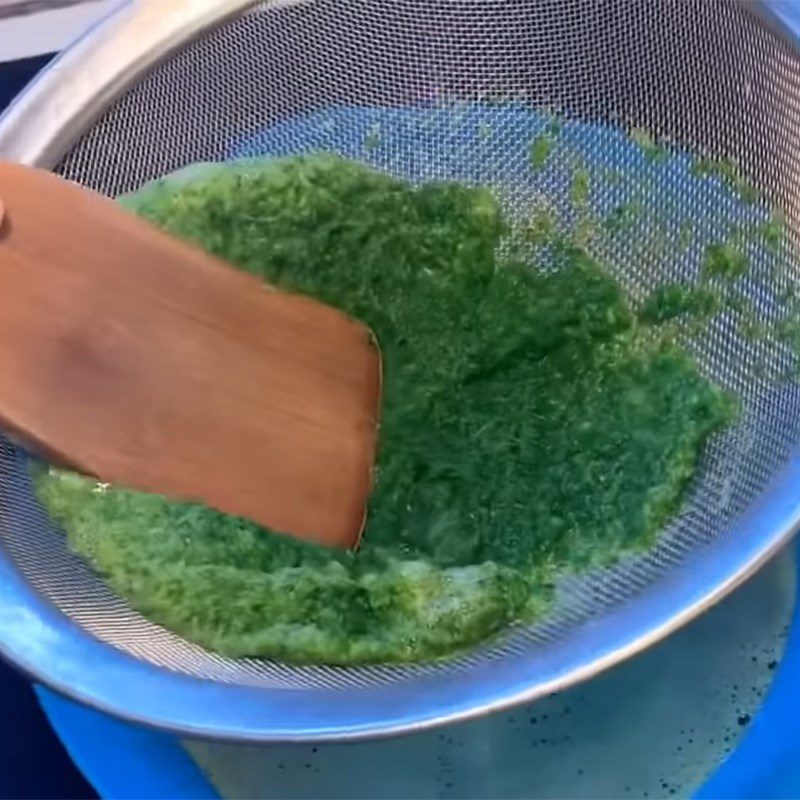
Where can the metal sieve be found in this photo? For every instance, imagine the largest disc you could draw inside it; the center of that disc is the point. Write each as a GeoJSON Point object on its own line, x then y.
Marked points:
{"type": "Point", "coordinates": [448, 89]}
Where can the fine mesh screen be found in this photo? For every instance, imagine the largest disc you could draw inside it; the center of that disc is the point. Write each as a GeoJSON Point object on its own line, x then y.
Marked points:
{"type": "Point", "coordinates": [457, 89]}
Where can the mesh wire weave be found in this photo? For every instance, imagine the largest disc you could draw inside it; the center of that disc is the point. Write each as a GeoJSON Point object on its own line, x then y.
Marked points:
{"type": "Point", "coordinates": [326, 74]}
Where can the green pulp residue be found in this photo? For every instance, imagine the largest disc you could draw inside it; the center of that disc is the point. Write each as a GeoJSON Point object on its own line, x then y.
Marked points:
{"type": "Point", "coordinates": [676, 300]}
{"type": "Point", "coordinates": [530, 426]}
{"type": "Point", "coordinates": [580, 187]}
{"type": "Point", "coordinates": [724, 260]}
{"type": "Point", "coordinates": [539, 151]}
{"type": "Point", "coordinates": [621, 218]}
{"type": "Point", "coordinates": [652, 150]}
{"type": "Point", "coordinates": [726, 171]}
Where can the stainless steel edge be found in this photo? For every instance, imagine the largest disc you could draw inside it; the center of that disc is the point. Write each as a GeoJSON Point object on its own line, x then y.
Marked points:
{"type": "Point", "coordinates": [62, 103]}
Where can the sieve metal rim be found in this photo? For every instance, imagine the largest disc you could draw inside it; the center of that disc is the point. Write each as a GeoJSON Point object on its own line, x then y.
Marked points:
{"type": "Point", "coordinates": [51, 648]}
{"type": "Point", "coordinates": [63, 101]}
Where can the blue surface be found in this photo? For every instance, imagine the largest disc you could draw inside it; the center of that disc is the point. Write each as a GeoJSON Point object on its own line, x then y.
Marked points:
{"type": "Point", "coordinates": [123, 761]}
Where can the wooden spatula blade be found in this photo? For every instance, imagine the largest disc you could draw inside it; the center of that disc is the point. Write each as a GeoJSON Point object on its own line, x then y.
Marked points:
{"type": "Point", "coordinates": [141, 360]}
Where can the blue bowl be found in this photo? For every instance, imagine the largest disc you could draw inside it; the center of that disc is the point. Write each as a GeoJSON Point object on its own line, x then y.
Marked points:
{"type": "Point", "coordinates": [125, 761]}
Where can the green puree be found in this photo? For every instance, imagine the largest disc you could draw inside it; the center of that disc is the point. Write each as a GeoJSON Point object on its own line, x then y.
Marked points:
{"type": "Point", "coordinates": [529, 429]}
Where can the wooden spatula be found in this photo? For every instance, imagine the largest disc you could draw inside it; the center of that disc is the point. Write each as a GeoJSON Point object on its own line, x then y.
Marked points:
{"type": "Point", "coordinates": [142, 361]}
